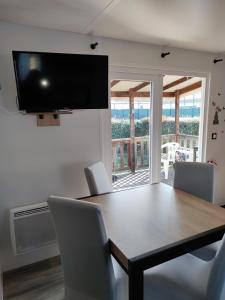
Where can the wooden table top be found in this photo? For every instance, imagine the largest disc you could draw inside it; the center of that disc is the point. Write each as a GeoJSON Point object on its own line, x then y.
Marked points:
{"type": "Point", "coordinates": [146, 220]}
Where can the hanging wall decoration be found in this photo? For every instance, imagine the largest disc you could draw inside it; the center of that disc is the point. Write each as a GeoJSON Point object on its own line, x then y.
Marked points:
{"type": "Point", "coordinates": [214, 136]}
{"type": "Point", "coordinates": [218, 109]}
{"type": "Point", "coordinates": [216, 118]}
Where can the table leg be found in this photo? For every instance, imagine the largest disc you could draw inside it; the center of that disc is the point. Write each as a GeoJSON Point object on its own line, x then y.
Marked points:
{"type": "Point", "coordinates": [136, 285]}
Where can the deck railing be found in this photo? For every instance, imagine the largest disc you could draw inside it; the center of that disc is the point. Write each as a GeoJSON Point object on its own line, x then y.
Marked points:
{"type": "Point", "coordinates": [121, 150]}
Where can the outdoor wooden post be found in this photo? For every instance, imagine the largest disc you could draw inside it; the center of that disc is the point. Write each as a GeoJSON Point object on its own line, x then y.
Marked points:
{"type": "Point", "coordinates": [177, 113]}
{"type": "Point", "coordinates": [132, 132]}
{"type": "Point", "coordinates": [121, 155]}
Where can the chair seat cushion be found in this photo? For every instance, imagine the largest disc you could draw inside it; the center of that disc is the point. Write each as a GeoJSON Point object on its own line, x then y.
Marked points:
{"type": "Point", "coordinates": [208, 252]}
{"type": "Point", "coordinates": [183, 278]}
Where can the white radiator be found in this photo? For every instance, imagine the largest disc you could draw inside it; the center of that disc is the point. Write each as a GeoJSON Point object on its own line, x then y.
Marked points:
{"type": "Point", "coordinates": [31, 228]}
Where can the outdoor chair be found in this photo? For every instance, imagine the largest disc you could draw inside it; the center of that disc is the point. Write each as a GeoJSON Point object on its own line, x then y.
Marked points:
{"type": "Point", "coordinates": [168, 156]}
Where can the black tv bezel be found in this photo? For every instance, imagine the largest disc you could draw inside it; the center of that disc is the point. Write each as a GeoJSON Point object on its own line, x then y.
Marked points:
{"type": "Point", "coordinates": [44, 110]}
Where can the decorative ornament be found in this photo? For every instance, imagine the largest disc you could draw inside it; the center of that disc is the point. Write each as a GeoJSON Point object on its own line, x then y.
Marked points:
{"type": "Point", "coordinates": [216, 118]}
{"type": "Point", "coordinates": [213, 162]}
{"type": "Point", "coordinates": [214, 136]}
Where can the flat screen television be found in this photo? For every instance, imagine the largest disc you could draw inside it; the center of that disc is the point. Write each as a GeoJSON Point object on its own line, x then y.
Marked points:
{"type": "Point", "coordinates": [48, 82]}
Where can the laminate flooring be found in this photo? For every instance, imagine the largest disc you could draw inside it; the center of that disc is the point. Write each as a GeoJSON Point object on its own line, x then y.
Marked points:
{"type": "Point", "coordinates": [37, 282]}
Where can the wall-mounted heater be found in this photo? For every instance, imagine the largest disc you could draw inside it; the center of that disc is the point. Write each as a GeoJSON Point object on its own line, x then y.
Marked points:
{"type": "Point", "coordinates": [31, 228]}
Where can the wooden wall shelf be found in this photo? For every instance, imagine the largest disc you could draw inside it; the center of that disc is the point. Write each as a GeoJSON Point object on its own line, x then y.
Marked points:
{"type": "Point", "coordinates": [49, 118]}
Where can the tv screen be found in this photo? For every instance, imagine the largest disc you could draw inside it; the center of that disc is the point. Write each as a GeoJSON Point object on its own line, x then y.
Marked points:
{"type": "Point", "coordinates": [51, 81]}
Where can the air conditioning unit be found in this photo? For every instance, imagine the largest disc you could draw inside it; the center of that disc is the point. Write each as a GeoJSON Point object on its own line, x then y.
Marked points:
{"type": "Point", "coordinates": [31, 228]}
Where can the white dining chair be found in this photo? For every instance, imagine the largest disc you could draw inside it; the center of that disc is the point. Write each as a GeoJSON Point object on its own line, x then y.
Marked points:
{"type": "Point", "coordinates": [89, 271]}
{"type": "Point", "coordinates": [197, 178]}
{"type": "Point", "coordinates": [188, 278]}
{"type": "Point", "coordinates": [97, 179]}
{"type": "Point", "coordinates": [168, 156]}
{"type": "Point", "coordinates": [91, 274]}
{"type": "Point", "coordinates": [83, 243]}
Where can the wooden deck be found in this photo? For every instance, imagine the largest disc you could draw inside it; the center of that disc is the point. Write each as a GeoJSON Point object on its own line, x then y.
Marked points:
{"type": "Point", "coordinates": [140, 177]}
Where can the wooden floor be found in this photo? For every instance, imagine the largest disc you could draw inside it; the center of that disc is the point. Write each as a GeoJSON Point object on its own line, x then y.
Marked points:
{"type": "Point", "coordinates": [42, 281]}
{"type": "Point", "coordinates": [140, 177]}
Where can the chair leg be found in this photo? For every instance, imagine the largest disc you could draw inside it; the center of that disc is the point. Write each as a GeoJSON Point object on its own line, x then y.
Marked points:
{"type": "Point", "coordinates": [166, 169]}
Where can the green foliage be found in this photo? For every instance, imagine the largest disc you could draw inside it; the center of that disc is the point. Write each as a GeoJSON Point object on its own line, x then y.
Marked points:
{"type": "Point", "coordinates": [191, 128]}
{"type": "Point", "coordinates": [168, 127]}
{"type": "Point", "coordinates": [121, 128]}
{"type": "Point", "coordinates": [142, 127]}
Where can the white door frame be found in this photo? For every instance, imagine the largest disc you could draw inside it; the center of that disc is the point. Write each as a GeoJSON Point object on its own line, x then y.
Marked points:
{"type": "Point", "coordinates": [155, 76]}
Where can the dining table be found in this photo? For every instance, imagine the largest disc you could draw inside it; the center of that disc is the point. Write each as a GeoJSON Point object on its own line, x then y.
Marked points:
{"type": "Point", "coordinates": [152, 224]}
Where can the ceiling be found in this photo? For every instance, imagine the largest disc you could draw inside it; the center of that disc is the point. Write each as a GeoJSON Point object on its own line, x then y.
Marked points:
{"type": "Point", "coordinates": [186, 24]}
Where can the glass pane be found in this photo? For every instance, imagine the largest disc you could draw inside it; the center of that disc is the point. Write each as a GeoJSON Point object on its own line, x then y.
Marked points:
{"type": "Point", "coordinates": [180, 122]}
{"type": "Point", "coordinates": [130, 111]}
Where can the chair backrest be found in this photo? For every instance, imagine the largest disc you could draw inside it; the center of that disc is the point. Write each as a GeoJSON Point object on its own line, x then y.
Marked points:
{"type": "Point", "coordinates": [84, 249]}
{"type": "Point", "coordinates": [195, 178]}
{"type": "Point", "coordinates": [216, 282]}
{"type": "Point", "coordinates": [170, 150]}
{"type": "Point", "coordinates": [97, 179]}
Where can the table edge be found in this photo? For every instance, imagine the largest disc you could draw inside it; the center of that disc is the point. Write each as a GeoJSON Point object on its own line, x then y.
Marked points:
{"type": "Point", "coordinates": [166, 253]}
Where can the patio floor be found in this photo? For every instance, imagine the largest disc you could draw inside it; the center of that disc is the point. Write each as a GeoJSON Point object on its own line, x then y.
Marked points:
{"type": "Point", "coordinates": [141, 177]}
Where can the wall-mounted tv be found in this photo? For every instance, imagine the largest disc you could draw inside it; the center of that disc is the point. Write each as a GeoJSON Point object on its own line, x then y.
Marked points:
{"type": "Point", "coordinates": [49, 82]}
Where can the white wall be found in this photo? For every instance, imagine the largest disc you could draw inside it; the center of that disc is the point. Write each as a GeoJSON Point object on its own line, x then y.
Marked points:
{"type": "Point", "coordinates": [216, 148]}
{"type": "Point", "coordinates": [37, 162]}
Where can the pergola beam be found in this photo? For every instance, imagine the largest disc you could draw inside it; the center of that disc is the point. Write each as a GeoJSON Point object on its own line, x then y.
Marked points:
{"type": "Point", "coordinates": [168, 94]}
{"type": "Point", "coordinates": [119, 94]}
{"type": "Point", "coordinates": [114, 82]}
{"type": "Point", "coordinates": [140, 86]}
{"type": "Point", "coordinates": [190, 88]}
{"type": "Point", "coordinates": [124, 94]}
{"type": "Point", "coordinates": [176, 82]}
